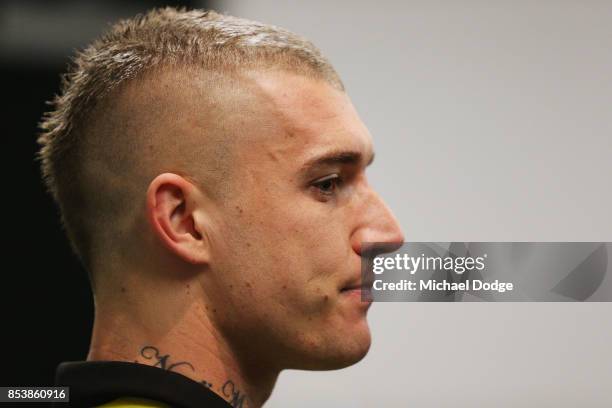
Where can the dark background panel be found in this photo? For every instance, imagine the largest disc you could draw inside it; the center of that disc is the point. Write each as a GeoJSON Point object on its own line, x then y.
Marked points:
{"type": "Point", "coordinates": [47, 307]}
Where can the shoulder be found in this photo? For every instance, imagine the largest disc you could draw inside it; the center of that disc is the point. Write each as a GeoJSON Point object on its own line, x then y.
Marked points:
{"type": "Point", "coordinates": [134, 403]}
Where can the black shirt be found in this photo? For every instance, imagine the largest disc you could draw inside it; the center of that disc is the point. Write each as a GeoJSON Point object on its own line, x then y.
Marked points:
{"type": "Point", "coordinates": [98, 382]}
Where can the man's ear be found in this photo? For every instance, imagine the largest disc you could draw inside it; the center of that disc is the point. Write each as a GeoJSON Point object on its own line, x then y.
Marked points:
{"type": "Point", "coordinates": [172, 202]}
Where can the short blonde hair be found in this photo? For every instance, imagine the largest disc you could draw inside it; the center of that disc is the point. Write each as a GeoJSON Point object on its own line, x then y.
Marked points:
{"type": "Point", "coordinates": [133, 47]}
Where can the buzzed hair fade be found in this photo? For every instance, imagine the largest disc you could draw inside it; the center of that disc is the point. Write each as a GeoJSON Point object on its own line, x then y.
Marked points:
{"type": "Point", "coordinates": [161, 39]}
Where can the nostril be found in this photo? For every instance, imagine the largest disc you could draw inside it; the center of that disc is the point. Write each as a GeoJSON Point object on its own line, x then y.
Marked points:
{"type": "Point", "coordinates": [385, 243]}
{"type": "Point", "coordinates": [372, 249]}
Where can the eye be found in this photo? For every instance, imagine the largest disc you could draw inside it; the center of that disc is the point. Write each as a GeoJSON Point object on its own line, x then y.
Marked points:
{"type": "Point", "coordinates": [328, 185]}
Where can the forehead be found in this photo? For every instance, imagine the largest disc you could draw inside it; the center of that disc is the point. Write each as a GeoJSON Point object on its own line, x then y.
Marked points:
{"type": "Point", "coordinates": [310, 117]}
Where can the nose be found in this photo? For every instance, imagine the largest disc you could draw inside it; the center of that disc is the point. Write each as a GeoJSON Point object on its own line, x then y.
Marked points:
{"type": "Point", "coordinates": [378, 230]}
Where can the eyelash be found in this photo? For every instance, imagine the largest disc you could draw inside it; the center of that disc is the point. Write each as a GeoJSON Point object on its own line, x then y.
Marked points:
{"type": "Point", "coordinates": [336, 181]}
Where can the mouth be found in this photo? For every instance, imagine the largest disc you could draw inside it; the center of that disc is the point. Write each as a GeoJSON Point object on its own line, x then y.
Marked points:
{"type": "Point", "coordinates": [361, 282]}
{"type": "Point", "coordinates": [351, 288]}
{"type": "Point", "coordinates": [359, 289]}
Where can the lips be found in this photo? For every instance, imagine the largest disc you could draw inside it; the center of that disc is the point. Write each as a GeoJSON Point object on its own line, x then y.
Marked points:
{"type": "Point", "coordinates": [357, 285]}
{"type": "Point", "coordinates": [359, 293]}
{"type": "Point", "coordinates": [363, 280]}
{"type": "Point", "coordinates": [351, 287]}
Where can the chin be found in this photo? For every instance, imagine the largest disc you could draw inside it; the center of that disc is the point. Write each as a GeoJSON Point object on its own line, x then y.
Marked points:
{"type": "Point", "coordinates": [341, 351]}
{"type": "Point", "coordinates": [352, 354]}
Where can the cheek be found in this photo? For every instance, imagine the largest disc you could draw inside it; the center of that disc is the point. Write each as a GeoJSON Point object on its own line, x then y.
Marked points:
{"type": "Point", "coordinates": [287, 253]}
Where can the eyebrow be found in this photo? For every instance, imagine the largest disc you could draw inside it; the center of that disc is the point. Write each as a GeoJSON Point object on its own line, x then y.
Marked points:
{"type": "Point", "coordinates": [337, 157]}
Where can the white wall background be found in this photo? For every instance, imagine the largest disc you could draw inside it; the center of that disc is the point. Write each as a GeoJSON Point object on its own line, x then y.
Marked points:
{"type": "Point", "coordinates": [492, 122]}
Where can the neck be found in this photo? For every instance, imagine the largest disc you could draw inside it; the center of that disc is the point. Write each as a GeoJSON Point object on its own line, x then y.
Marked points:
{"type": "Point", "coordinates": [183, 340]}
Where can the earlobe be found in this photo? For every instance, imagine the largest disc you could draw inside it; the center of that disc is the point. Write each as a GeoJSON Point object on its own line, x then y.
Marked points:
{"type": "Point", "coordinates": [170, 205]}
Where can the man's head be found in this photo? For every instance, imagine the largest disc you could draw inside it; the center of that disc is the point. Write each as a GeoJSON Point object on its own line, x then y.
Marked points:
{"type": "Point", "coordinates": [190, 146]}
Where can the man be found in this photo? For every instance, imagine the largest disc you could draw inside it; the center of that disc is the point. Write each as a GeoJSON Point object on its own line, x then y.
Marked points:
{"type": "Point", "coordinates": [210, 173]}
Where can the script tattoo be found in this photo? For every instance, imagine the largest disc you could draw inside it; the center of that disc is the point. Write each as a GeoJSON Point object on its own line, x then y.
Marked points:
{"type": "Point", "coordinates": [152, 353]}
{"type": "Point", "coordinates": [229, 390]}
{"type": "Point", "coordinates": [236, 398]}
